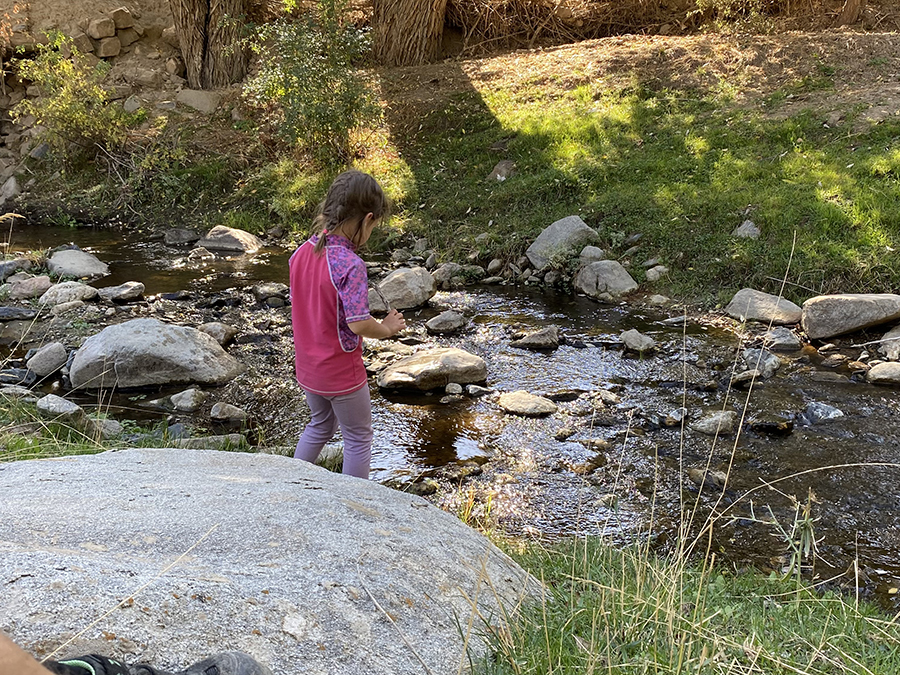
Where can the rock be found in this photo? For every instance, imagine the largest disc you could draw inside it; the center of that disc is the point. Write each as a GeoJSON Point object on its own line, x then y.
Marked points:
{"type": "Point", "coordinates": [103, 27]}
{"type": "Point", "coordinates": [447, 271]}
{"type": "Point", "coordinates": [48, 359]}
{"type": "Point", "coordinates": [564, 237]}
{"type": "Point", "coordinates": [376, 541]}
{"type": "Point", "coordinates": [66, 307]}
{"type": "Point", "coordinates": [200, 254]}
{"type": "Point", "coordinates": [220, 332]}
{"type": "Point", "coordinates": [475, 391]}
{"type": "Point", "coordinates": [763, 360]}
{"type": "Point", "coordinates": [721, 422]}
{"type": "Point", "coordinates": [127, 36]}
{"type": "Point", "coordinates": [29, 288]}
{"type": "Point", "coordinates": [446, 322]}
{"type": "Point", "coordinates": [132, 104]}
{"type": "Point", "coordinates": [10, 267]}
{"type": "Point", "coordinates": [546, 338]}
{"type": "Point", "coordinates": [144, 352]}
{"type": "Point", "coordinates": [746, 230]}
{"type": "Point", "coordinates": [82, 43]}
{"type": "Point", "coordinates": [16, 314]}
{"type": "Point", "coordinates": [828, 315]}
{"type": "Point", "coordinates": [890, 344]}
{"type": "Point", "coordinates": [887, 372]}
{"type": "Point", "coordinates": [504, 169]}
{"type": "Point", "coordinates": [702, 477]}
{"type": "Point", "coordinates": [636, 341]}
{"type": "Point", "coordinates": [122, 18]}
{"type": "Point", "coordinates": [591, 254]}
{"type": "Point", "coordinates": [528, 405]}
{"type": "Point", "coordinates": [270, 289]}
{"type": "Point", "coordinates": [604, 277]}
{"type": "Point", "coordinates": [408, 287]}
{"type": "Point", "coordinates": [189, 400]}
{"type": "Point", "coordinates": [59, 409]}
{"type": "Point", "coordinates": [108, 47]}
{"type": "Point", "coordinates": [68, 291]}
{"type": "Point", "coordinates": [104, 428]}
{"type": "Point", "coordinates": [564, 433]}
{"type": "Point", "coordinates": [821, 412]}
{"type": "Point", "coordinates": [495, 266]}
{"type": "Point", "coordinates": [782, 340]}
{"type": "Point", "coordinates": [179, 236]}
{"type": "Point", "coordinates": [130, 290]}
{"type": "Point", "coordinates": [225, 412]}
{"type": "Point", "coordinates": [223, 238]}
{"type": "Point", "coordinates": [203, 101]}
{"type": "Point", "coordinates": [751, 305]}
{"type": "Point", "coordinates": [656, 273]}
{"type": "Point", "coordinates": [453, 389]}
{"type": "Point", "coordinates": [433, 369]}
{"type": "Point", "coordinates": [17, 376]}
{"type": "Point", "coordinates": [658, 300]}
{"type": "Point", "coordinates": [15, 391]}
{"type": "Point", "coordinates": [78, 264]}
{"type": "Point", "coordinates": [400, 255]}
{"type": "Point", "coordinates": [746, 377]}
{"type": "Point", "coordinates": [377, 305]}
{"type": "Point", "coordinates": [9, 190]}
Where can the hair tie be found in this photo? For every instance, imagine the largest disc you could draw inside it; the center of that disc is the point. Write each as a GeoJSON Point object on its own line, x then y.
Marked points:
{"type": "Point", "coordinates": [324, 230]}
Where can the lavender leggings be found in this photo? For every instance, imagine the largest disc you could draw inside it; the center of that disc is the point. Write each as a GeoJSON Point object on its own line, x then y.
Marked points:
{"type": "Point", "coordinates": [353, 412]}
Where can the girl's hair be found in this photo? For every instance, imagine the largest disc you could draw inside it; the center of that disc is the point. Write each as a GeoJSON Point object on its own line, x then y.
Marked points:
{"type": "Point", "coordinates": [352, 195]}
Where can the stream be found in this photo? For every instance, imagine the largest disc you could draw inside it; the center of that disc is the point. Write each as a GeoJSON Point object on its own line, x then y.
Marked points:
{"type": "Point", "coordinates": [513, 472]}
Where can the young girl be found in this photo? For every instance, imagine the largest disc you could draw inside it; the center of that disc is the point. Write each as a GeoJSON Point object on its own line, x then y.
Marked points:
{"type": "Point", "coordinates": [330, 315]}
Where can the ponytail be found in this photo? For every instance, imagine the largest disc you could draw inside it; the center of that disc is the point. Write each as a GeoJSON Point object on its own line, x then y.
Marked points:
{"type": "Point", "coordinates": [352, 195]}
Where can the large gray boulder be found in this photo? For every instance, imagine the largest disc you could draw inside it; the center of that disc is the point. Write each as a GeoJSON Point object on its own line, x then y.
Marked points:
{"type": "Point", "coordinates": [604, 277]}
{"type": "Point", "coordinates": [752, 305]}
{"type": "Point", "coordinates": [68, 291]}
{"type": "Point", "coordinates": [432, 369]}
{"type": "Point", "coordinates": [828, 315]}
{"type": "Point", "coordinates": [193, 552]}
{"type": "Point", "coordinates": [223, 238]}
{"type": "Point", "coordinates": [146, 352]}
{"type": "Point", "coordinates": [408, 287]}
{"type": "Point", "coordinates": [884, 373]}
{"type": "Point", "coordinates": [78, 264]}
{"type": "Point", "coordinates": [565, 237]}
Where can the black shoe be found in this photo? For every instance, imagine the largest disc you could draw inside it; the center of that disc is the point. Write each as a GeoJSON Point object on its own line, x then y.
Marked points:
{"type": "Point", "coordinates": [228, 663]}
{"type": "Point", "coordinates": [90, 664]}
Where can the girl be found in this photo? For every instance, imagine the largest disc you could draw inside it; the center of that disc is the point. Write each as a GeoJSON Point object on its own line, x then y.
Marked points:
{"type": "Point", "coordinates": [330, 315]}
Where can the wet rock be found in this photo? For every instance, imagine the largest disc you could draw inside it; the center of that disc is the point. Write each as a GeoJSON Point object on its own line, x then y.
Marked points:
{"type": "Point", "coordinates": [604, 277]}
{"type": "Point", "coordinates": [180, 237]}
{"type": "Point", "coordinates": [78, 264]}
{"type": "Point", "coordinates": [29, 288]}
{"type": "Point", "coordinates": [220, 332]}
{"type": "Point", "coordinates": [779, 428]}
{"type": "Point", "coordinates": [702, 477]}
{"type": "Point", "coordinates": [752, 305]}
{"type": "Point", "coordinates": [590, 254]}
{"type": "Point", "coordinates": [656, 273]}
{"type": "Point", "coordinates": [782, 339]}
{"type": "Point", "coordinates": [454, 388]}
{"type": "Point", "coordinates": [68, 291]}
{"type": "Point", "coordinates": [446, 322]}
{"type": "Point", "coordinates": [746, 378]}
{"type": "Point", "coordinates": [835, 360]}
{"type": "Point", "coordinates": [887, 372]}
{"type": "Point", "coordinates": [544, 339]}
{"type": "Point", "coordinates": [598, 444]}
{"type": "Point", "coordinates": [720, 422]}
{"type": "Point", "coordinates": [475, 391]}
{"type": "Point", "coordinates": [890, 344]}
{"type": "Point", "coordinates": [189, 400]}
{"type": "Point", "coordinates": [10, 267]}
{"type": "Point", "coordinates": [456, 473]}
{"type": "Point", "coordinates": [48, 359]}
{"type": "Point", "coordinates": [828, 377]}
{"type": "Point", "coordinates": [130, 290]}
{"type": "Point", "coordinates": [746, 230]}
{"type": "Point", "coordinates": [433, 369]}
{"type": "Point", "coordinates": [525, 404]}
{"type": "Point", "coordinates": [817, 413]}
{"type": "Point", "coordinates": [564, 433]}
{"type": "Point", "coordinates": [270, 289]}
{"type": "Point", "coordinates": [408, 288]}
{"type": "Point", "coordinates": [446, 272]}
{"type": "Point", "coordinates": [59, 409]}
{"type": "Point", "coordinates": [636, 341]}
{"type": "Point", "coordinates": [223, 238]}
{"type": "Point", "coordinates": [763, 360]}
{"type": "Point", "coordinates": [828, 315]}
{"type": "Point", "coordinates": [606, 397]}
{"type": "Point", "coordinates": [20, 376]}
{"type": "Point", "coordinates": [16, 314]}
{"type": "Point", "coordinates": [225, 412]}
{"type": "Point", "coordinates": [588, 467]}
{"type": "Point", "coordinates": [200, 254]}
{"type": "Point", "coordinates": [144, 352]}
{"type": "Point", "coordinates": [452, 398]}
{"type": "Point", "coordinates": [562, 238]}
{"type": "Point", "coordinates": [674, 418]}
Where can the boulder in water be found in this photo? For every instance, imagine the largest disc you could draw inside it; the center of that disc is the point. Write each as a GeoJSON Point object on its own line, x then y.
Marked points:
{"type": "Point", "coordinates": [433, 369]}
{"type": "Point", "coordinates": [828, 315]}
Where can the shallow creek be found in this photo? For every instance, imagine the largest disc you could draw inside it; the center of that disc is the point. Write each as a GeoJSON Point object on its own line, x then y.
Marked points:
{"type": "Point", "coordinates": [527, 481]}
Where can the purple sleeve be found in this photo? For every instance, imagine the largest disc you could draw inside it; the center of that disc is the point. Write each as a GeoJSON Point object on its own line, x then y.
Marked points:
{"type": "Point", "coordinates": [353, 289]}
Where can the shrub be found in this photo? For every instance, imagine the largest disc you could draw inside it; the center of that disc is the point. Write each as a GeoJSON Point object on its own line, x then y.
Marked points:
{"type": "Point", "coordinates": [307, 79]}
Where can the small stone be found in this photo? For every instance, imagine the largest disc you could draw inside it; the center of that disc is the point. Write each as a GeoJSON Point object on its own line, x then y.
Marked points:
{"type": "Point", "coordinates": [453, 388]}
{"type": "Point", "coordinates": [504, 169]}
{"type": "Point", "coordinates": [495, 266]}
{"type": "Point", "coordinates": [658, 300]}
{"type": "Point", "coordinates": [476, 391]}
{"type": "Point", "coordinates": [721, 422]}
{"type": "Point", "coordinates": [103, 27]}
{"type": "Point", "coordinates": [781, 339]}
{"type": "Point", "coordinates": [636, 341]}
{"type": "Point", "coordinates": [446, 322]}
{"type": "Point", "coordinates": [546, 338]}
{"type": "Point", "coordinates": [104, 428]}
{"type": "Point", "coordinates": [528, 405]}
{"type": "Point", "coordinates": [189, 400]}
{"type": "Point", "coordinates": [564, 433]}
{"type": "Point", "coordinates": [746, 230]}
{"type": "Point", "coordinates": [203, 101]}
{"type": "Point", "coordinates": [59, 409]}
{"type": "Point", "coordinates": [225, 412]}
{"type": "Point", "coordinates": [48, 359]}
{"type": "Point", "coordinates": [821, 412]}
{"type": "Point", "coordinates": [132, 104]}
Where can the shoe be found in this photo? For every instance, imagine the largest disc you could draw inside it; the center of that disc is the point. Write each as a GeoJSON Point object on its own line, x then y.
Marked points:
{"type": "Point", "coordinates": [228, 663]}
{"type": "Point", "coordinates": [90, 664]}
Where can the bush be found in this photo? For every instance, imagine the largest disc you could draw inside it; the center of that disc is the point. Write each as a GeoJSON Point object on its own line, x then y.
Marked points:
{"type": "Point", "coordinates": [73, 107]}
{"type": "Point", "coordinates": [307, 79]}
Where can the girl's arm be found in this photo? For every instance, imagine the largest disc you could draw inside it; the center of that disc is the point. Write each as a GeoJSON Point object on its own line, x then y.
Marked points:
{"type": "Point", "coordinates": [392, 324]}
{"type": "Point", "coordinates": [14, 660]}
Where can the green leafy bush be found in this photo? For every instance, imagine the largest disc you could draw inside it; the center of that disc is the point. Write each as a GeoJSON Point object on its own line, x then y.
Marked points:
{"type": "Point", "coordinates": [309, 84]}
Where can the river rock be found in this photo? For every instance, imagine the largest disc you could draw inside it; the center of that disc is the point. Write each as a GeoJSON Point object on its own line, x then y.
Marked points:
{"type": "Point", "coordinates": [636, 341]}
{"type": "Point", "coordinates": [890, 344]}
{"type": "Point", "coordinates": [48, 359]}
{"type": "Point", "coordinates": [546, 338]}
{"type": "Point", "coordinates": [179, 237]}
{"type": "Point", "coordinates": [476, 391]}
{"type": "Point", "coordinates": [821, 412]}
{"type": "Point", "coordinates": [66, 307]}
{"type": "Point", "coordinates": [29, 288]}
{"type": "Point", "coordinates": [68, 291]}
{"type": "Point", "coordinates": [220, 332]}
{"type": "Point", "coordinates": [200, 254]}
{"type": "Point", "coordinates": [591, 254]}
{"type": "Point", "coordinates": [78, 264]}
{"type": "Point", "coordinates": [563, 238]}
{"type": "Point", "coordinates": [59, 409]}
{"type": "Point", "coordinates": [225, 412]}
{"type": "Point", "coordinates": [721, 422]}
{"type": "Point", "coordinates": [223, 238]}
{"type": "Point", "coordinates": [408, 287]}
{"type": "Point", "coordinates": [604, 277]}
{"type": "Point", "coordinates": [763, 360]}
{"type": "Point", "coordinates": [828, 315]}
{"type": "Point", "coordinates": [144, 352]}
{"type": "Point", "coordinates": [446, 272]}
{"type": "Point", "coordinates": [130, 290]}
{"type": "Point", "coordinates": [10, 267]}
{"type": "Point", "coordinates": [433, 369]}
{"type": "Point", "coordinates": [782, 339]}
{"type": "Point", "coordinates": [887, 372]}
{"type": "Point", "coordinates": [752, 305]}
{"type": "Point", "coordinates": [261, 555]}
{"type": "Point", "coordinates": [528, 405]}
{"type": "Point", "coordinates": [270, 289]}
{"type": "Point", "coordinates": [104, 428]}
{"type": "Point", "coordinates": [446, 322]}
{"type": "Point", "coordinates": [16, 314]}
{"type": "Point", "coordinates": [189, 400]}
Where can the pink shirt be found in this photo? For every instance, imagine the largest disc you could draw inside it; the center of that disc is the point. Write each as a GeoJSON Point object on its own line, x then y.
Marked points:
{"type": "Point", "coordinates": [328, 291]}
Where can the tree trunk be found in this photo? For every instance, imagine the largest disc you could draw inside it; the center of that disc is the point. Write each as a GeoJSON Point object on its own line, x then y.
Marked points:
{"type": "Point", "coordinates": [408, 32]}
{"type": "Point", "coordinates": [208, 35]}
{"type": "Point", "coordinates": [851, 11]}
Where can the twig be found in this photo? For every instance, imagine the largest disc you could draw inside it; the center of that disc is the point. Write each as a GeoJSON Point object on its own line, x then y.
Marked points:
{"type": "Point", "coordinates": [876, 342]}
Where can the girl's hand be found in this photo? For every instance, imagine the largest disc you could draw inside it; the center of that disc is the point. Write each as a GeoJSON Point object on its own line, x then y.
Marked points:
{"type": "Point", "coordinates": [394, 322]}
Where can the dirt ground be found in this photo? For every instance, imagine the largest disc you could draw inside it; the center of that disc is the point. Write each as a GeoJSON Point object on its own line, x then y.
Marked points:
{"type": "Point", "coordinates": [68, 15]}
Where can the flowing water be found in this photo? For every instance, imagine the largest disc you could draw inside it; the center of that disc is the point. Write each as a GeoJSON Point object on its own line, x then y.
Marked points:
{"type": "Point", "coordinates": [528, 480]}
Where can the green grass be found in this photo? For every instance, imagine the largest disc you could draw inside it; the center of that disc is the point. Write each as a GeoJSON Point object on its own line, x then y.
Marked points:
{"type": "Point", "coordinates": [626, 612]}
